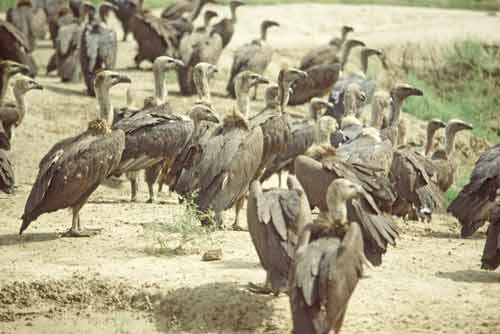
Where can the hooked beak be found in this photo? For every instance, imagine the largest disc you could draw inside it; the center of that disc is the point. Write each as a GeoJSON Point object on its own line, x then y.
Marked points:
{"type": "Point", "coordinates": [19, 68]}
{"type": "Point", "coordinates": [261, 80]}
{"type": "Point", "coordinates": [301, 74]}
{"type": "Point", "coordinates": [178, 62]}
{"type": "Point", "coordinates": [38, 86]}
{"type": "Point", "coordinates": [122, 79]}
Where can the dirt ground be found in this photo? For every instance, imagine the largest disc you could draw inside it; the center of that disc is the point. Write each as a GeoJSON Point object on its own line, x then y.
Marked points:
{"type": "Point", "coordinates": [117, 282]}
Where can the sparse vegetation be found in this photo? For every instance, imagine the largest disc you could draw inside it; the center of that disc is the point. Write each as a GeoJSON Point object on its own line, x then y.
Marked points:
{"type": "Point", "coordinates": [184, 234]}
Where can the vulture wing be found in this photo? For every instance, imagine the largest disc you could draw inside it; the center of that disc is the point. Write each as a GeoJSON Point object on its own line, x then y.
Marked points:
{"type": "Point", "coordinates": [7, 180]}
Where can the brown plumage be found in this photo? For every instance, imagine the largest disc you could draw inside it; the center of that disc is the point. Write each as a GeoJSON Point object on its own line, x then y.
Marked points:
{"type": "Point", "coordinates": [275, 217]}
{"type": "Point", "coordinates": [378, 228]}
{"type": "Point", "coordinates": [15, 46]}
{"type": "Point", "coordinates": [328, 265]}
{"type": "Point", "coordinates": [7, 180]}
{"type": "Point", "coordinates": [225, 27]}
{"type": "Point", "coordinates": [329, 55]}
{"type": "Point", "coordinates": [491, 254]}
{"type": "Point", "coordinates": [74, 167]}
{"type": "Point", "coordinates": [475, 201]}
{"type": "Point", "coordinates": [319, 81]}
{"type": "Point", "coordinates": [412, 175]}
{"type": "Point", "coordinates": [124, 11]}
{"type": "Point", "coordinates": [12, 114]}
{"type": "Point", "coordinates": [98, 46]}
{"type": "Point", "coordinates": [53, 11]}
{"type": "Point", "coordinates": [254, 56]}
{"type": "Point", "coordinates": [180, 7]}
{"type": "Point", "coordinates": [21, 16]}
{"type": "Point", "coordinates": [442, 158]}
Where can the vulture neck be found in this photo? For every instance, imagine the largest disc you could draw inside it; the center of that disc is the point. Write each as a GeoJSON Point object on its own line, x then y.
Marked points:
{"type": "Point", "coordinates": [343, 36]}
{"type": "Point", "coordinates": [337, 209]}
{"type": "Point", "coordinates": [21, 108]}
{"type": "Point", "coordinates": [198, 6]}
{"type": "Point", "coordinates": [283, 95]}
{"type": "Point", "coordinates": [428, 140]}
{"type": "Point", "coordinates": [263, 33]}
{"type": "Point", "coordinates": [345, 54]}
{"type": "Point", "coordinates": [377, 115]}
{"type": "Point", "coordinates": [364, 62]}
{"type": "Point", "coordinates": [161, 91]}
{"type": "Point", "coordinates": [105, 107]}
{"type": "Point", "coordinates": [202, 88]}
{"type": "Point", "coordinates": [396, 105]}
{"type": "Point", "coordinates": [243, 101]}
{"type": "Point", "coordinates": [351, 105]}
{"type": "Point", "coordinates": [449, 141]}
{"type": "Point", "coordinates": [314, 114]}
{"type": "Point", "coordinates": [233, 14]}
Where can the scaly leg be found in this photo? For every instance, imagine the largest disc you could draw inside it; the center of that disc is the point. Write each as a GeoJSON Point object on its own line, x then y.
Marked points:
{"type": "Point", "coordinates": [132, 177]}
{"type": "Point", "coordinates": [239, 204]}
{"type": "Point", "coordinates": [76, 231]}
{"type": "Point", "coordinates": [262, 289]}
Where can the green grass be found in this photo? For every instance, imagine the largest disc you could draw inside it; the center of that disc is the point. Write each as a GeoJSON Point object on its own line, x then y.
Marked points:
{"type": "Point", "coordinates": [462, 4]}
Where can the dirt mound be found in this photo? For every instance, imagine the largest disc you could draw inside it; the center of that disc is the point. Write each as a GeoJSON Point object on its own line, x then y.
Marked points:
{"type": "Point", "coordinates": [49, 298]}
{"type": "Point", "coordinates": [222, 307]}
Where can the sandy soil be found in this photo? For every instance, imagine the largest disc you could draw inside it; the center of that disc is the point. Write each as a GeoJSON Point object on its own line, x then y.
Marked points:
{"type": "Point", "coordinates": [117, 282]}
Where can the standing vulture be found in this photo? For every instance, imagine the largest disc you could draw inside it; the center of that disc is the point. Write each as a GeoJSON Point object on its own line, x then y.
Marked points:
{"type": "Point", "coordinates": [124, 11]}
{"type": "Point", "coordinates": [367, 86]}
{"type": "Point", "coordinates": [378, 228]}
{"type": "Point", "coordinates": [254, 56]}
{"type": "Point", "coordinates": [225, 27]}
{"type": "Point", "coordinates": [303, 134]}
{"type": "Point", "coordinates": [15, 46]}
{"type": "Point", "coordinates": [491, 254]}
{"type": "Point", "coordinates": [329, 55]}
{"type": "Point", "coordinates": [98, 45]}
{"type": "Point", "coordinates": [275, 218]}
{"type": "Point", "coordinates": [442, 158]}
{"type": "Point", "coordinates": [328, 265]}
{"type": "Point", "coordinates": [190, 50]}
{"type": "Point", "coordinates": [180, 7]}
{"type": "Point", "coordinates": [12, 115]}
{"type": "Point", "coordinates": [224, 164]}
{"type": "Point", "coordinates": [53, 10]}
{"type": "Point", "coordinates": [156, 135]}
{"type": "Point", "coordinates": [21, 17]}
{"type": "Point", "coordinates": [475, 201]}
{"type": "Point", "coordinates": [318, 82]}
{"type": "Point", "coordinates": [156, 36]}
{"type": "Point", "coordinates": [75, 167]}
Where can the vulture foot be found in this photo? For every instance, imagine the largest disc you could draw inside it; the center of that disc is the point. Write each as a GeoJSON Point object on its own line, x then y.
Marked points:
{"type": "Point", "coordinates": [75, 233]}
{"type": "Point", "coordinates": [237, 227]}
{"type": "Point", "coordinates": [151, 200]}
{"type": "Point", "coordinates": [260, 289]}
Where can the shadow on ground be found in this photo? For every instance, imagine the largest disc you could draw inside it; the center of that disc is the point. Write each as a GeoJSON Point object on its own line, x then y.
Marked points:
{"type": "Point", "coordinates": [16, 239]}
{"type": "Point", "coordinates": [220, 308]}
{"type": "Point", "coordinates": [471, 276]}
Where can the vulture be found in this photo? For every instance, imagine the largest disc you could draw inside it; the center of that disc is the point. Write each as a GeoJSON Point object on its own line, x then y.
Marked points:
{"type": "Point", "coordinates": [15, 46]}
{"type": "Point", "coordinates": [156, 36]}
{"type": "Point", "coordinates": [275, 218]}
{"type": "Point", "coordinates": [53, 11]}
{"type": "Point", "coordinates": [75, 167]}
{"type": "Point", "coordinates": [7, 180]}
{"type": "Point", "coordinates": [441, 159]}
{"type": "Point", "coordinates": [413, 175]}
{"type": "Point", "coordinates": [378, 228]}
{"type": "Point", "coordinates": [156, 135]}
{"type": "Point", "coordinates": [207, 48]}
{"type": "Point", "coordinates": [304, 134]}
{"type": "Point", "coordinates": [66, 58]}
{"type": "Point", "coordinates": [124, 10]}
{"type": "Point", "coordinates": [254, 56]}
{"type": "Point", "coordinates": [475, 201]}
{"type": "Point", "coordinates": [12, 114]}
{"type": "Point", "coordinates": [350, 125]}
{"type": "Point", "coordinates": [328, 264]}
{"type": "Point", "coordinates": [225, 162]}
{"type": "Point", "coordinates": [367, 86]}
{"type": "Point", "coordinates": [7, 70]}
{"type": "Point", "coordinates": [177, 9]}
{"type": "Point", "coordinates": [21, 16]}
{"type": "Point", "coordinates": [203, 73]}
{"type": "Point", "coordinates": [318, 82]}
{"type": "Point", "coordinates": [98, 46]}
{"type": "Point", "coordinates": [225, 27]}
{"type": "Point", "coordinates": [190, 50]}
{"type": "Point", "coordinates": [329, 55]}
{"type": "Point", "coordinates": [491, 253]}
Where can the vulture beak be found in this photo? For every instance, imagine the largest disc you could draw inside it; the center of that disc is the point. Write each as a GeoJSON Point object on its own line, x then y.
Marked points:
{"type": "Point", "coordinates": [36, 85]}
{"type": "Point", "coordinates": [355, 42]}
{"type": "Point", "coordinates": [457, 125]}
{"type": "Point", "coordinates": [416, 92]}
{"type": "Point", "coordinates": [300, 73]}
{"type": "Point", "coordinates": [178, 62]}
{"type": "Point", "coordinates": [16, 68]}
{"type": "Point", "coordinates": [261, 80]}
{"type": "Point", "coordinates": [437, 123]}
{"type": "Point", "coordinates": [122, 78]}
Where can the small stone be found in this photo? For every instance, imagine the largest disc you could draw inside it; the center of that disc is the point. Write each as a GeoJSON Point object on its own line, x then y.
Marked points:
{"type": "Point", "coordinates": [212, 255]}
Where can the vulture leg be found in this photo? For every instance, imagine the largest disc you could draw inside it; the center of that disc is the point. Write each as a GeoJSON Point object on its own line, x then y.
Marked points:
{"type": "Point", "coordinates": [132, 177]}
{"type": "Point", "coordinates": [151, 177]}
{"type": "Point", "coordinates": [279, 179]}
{"type": "Point", "coordinates": [219, 220]}
{"type": "Point", "coordinates": [265, 289]}
{"type": "Point", "coordinates": [239, 204]}
{"type": "Point", "coordinates": [76, 230]}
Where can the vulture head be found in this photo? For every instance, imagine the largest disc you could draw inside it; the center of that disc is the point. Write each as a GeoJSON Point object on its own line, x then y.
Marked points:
{"type": "Point", "coordinates": [205, 70]}
{"type": "Point", "coordinates": [354, 97]}
{"type": "Point", "coordinates": [165, 63]}
{"type": "Point", "coordinates": [338, 193]}
{"type": "Point", "coordinates": [287, 77]}
{"type": "Point", "coordinates": [401, 91]}
{"type": "Point", "coordinates": [235, 4]}
{"type": "Point", "coordinates": [24, 84]}
{"type": "Point", "coordinates": [245, 80]}
{"type": "Point", "coordinates": [266, 24]}
{"type": "Point", "coordinates": [456, 125]}
{"type": "Point", "coordinates": [209, 15]}
{"type": "Point", "coordinates": [11, 68]}
{"type": "Point", "coordinates": [104, 9]}
{"type": "Point", "coordinates": [435, 124]}
{"type": "Point", "coordinates": [107, 79]}
{"type": "Point", "coordinates": [351, 43]}
{"type": "Point", "coordinates": [318, 107]}
{"type": "Point", "coordinates": [346, 29]}
{"type": "Point", "coordinates": [203, 112]}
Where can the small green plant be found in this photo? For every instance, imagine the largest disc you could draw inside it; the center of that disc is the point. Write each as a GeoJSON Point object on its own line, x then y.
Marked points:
{"type": "Point", "coordinates": [185, 234]}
